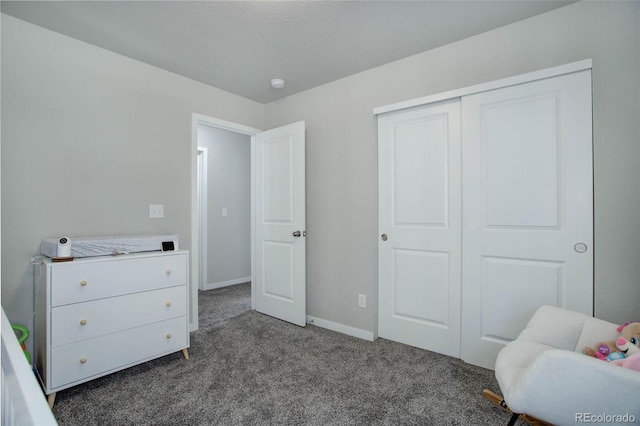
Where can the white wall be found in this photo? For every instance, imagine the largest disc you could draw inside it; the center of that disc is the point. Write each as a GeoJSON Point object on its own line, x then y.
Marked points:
{"type": "Point", "coordinates": [90, 139]}
{"type": "Point", "coordinates": [341, 148]}
{"type": "Point", "coordinates": [229, 187]}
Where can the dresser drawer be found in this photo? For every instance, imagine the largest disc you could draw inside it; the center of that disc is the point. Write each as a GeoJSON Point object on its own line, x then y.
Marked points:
{"type": "Point", "coordinates": [102, 355]}
{"type": "Point", "coordinates": [81, 280]}
{"type": "Point", "coordinates": [79, 321]}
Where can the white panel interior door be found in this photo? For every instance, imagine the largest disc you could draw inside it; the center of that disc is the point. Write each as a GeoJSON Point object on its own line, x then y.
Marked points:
{"type": "Point", "coordinates": [280, 223]}
{"type": "Point", "coordinates": [528, 208]}
{"type": "Point", "coordinates": [419, 215]}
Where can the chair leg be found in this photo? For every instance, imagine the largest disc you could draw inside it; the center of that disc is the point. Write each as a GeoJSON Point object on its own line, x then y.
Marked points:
{"type": "Point", "coordinates": [496, 399]}
{"type": "Point", "coordinates": [514, 418]}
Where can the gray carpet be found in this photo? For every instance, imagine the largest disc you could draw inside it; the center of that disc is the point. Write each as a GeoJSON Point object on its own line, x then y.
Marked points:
{"type": "Point", "coordinates": [251, 369]}
{"type": "Point", "coordinates": [216, 306]}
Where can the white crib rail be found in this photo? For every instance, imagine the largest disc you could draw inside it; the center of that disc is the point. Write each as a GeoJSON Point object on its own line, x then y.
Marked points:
{"type": "Point", "coordinates": [23, 402]}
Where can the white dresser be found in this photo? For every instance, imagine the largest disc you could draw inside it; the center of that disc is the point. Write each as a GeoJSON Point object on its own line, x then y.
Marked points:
{"type": "Point", "coordinates": [98, 315]}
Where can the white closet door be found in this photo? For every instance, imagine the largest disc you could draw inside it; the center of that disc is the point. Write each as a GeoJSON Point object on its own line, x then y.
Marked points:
{"type": "Point", "coordinates": [419, 215]}
{"type": "Point", "coordinates": [528, 208]}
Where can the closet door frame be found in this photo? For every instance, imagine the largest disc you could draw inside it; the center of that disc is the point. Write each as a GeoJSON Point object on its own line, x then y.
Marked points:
{"type": "Point", "coordinates": [583, 65]}
{"type": "Point", "coordinates": [485, 87]}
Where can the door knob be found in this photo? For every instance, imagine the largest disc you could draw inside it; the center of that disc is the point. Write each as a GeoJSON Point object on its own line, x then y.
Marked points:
{"type": "Point", "coordinates": [384, 237]}
{"type": "Point", "coordinates": [297, 234]}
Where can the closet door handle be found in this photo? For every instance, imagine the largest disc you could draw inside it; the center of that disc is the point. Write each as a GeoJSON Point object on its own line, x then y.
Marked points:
{"type": "Point", "coordinates": [580, 247]}
{"type": "Point", "coordinates": [384, 237]}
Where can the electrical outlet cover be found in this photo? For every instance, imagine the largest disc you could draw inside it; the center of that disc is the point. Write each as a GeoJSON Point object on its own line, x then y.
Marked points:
{"type": "Point", "coordinates": [362, 301]}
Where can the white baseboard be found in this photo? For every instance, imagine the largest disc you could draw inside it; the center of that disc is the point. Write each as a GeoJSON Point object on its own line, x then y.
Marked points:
{"type": "Point", "coordinates": [221, 284]}
{"type": "Point", "coordinates": [341, 328]}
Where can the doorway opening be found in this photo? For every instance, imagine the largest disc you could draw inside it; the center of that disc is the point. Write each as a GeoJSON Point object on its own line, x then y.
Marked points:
{"type": "Point", "coordinates": [224, 198]}
{"type": "Point", "coordinates": [277, 203]}
{"type": "Point", "coordinates": [222, 209]}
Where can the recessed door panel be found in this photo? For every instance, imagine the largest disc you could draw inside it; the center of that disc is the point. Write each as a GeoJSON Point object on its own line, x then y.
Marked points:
{"type": "Point", "coordinates": [529, 284]}
{"type": "Point", "coordinates": [420, 171]}
{"type": "Point", "coordinates": [278, 165]}
{"type": "Point", "coordinates": [520, 150]}
{"type": "Point", "coordinates": [421, 286]}
{"type": "Point", "coordinates": [278, 279]}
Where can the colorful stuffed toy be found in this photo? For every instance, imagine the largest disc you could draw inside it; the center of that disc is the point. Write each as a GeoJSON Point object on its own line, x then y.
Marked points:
{"type": "Point", "coordinates": [627, 344]}
{"type": "Point", "coordinates": [632, 362]}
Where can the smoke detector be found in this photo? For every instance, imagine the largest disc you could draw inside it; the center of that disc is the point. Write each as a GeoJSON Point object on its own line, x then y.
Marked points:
{"type": "Point", "coordinates": [277, 83]}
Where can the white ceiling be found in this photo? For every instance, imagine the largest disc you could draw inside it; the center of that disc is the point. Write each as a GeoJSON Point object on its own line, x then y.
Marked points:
{"type": "Point", "coordinates": [239, 46]}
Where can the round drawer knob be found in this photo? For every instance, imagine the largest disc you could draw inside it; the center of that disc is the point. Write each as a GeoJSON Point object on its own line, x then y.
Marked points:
{"type": "Point", "coordinates": [168, 336]}
{"type": "Point", "coordinates": [83, 322]}
{"type": "Point", "coordinates": [168, 304]}
{"type": "Point", "coordinates": [83, 283]}
{"type": "Point", "coordinates": [83, 360]}
{"type": "Point", "coordinates": [168, 271]}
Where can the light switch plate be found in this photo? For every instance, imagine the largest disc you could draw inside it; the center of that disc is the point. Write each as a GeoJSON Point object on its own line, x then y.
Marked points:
{"type": "Point", "coordinates": [156, 211]}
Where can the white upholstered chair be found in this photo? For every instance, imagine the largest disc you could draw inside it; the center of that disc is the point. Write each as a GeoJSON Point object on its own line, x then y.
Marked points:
{"type": "Point", "coordinates": [544, 374]}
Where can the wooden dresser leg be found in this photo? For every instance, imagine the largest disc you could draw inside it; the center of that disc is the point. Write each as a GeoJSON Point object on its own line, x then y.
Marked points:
{"type": "Point", "coordinates": [185, 353]}
{"type": "Point", "coordinates": [51, 398]}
